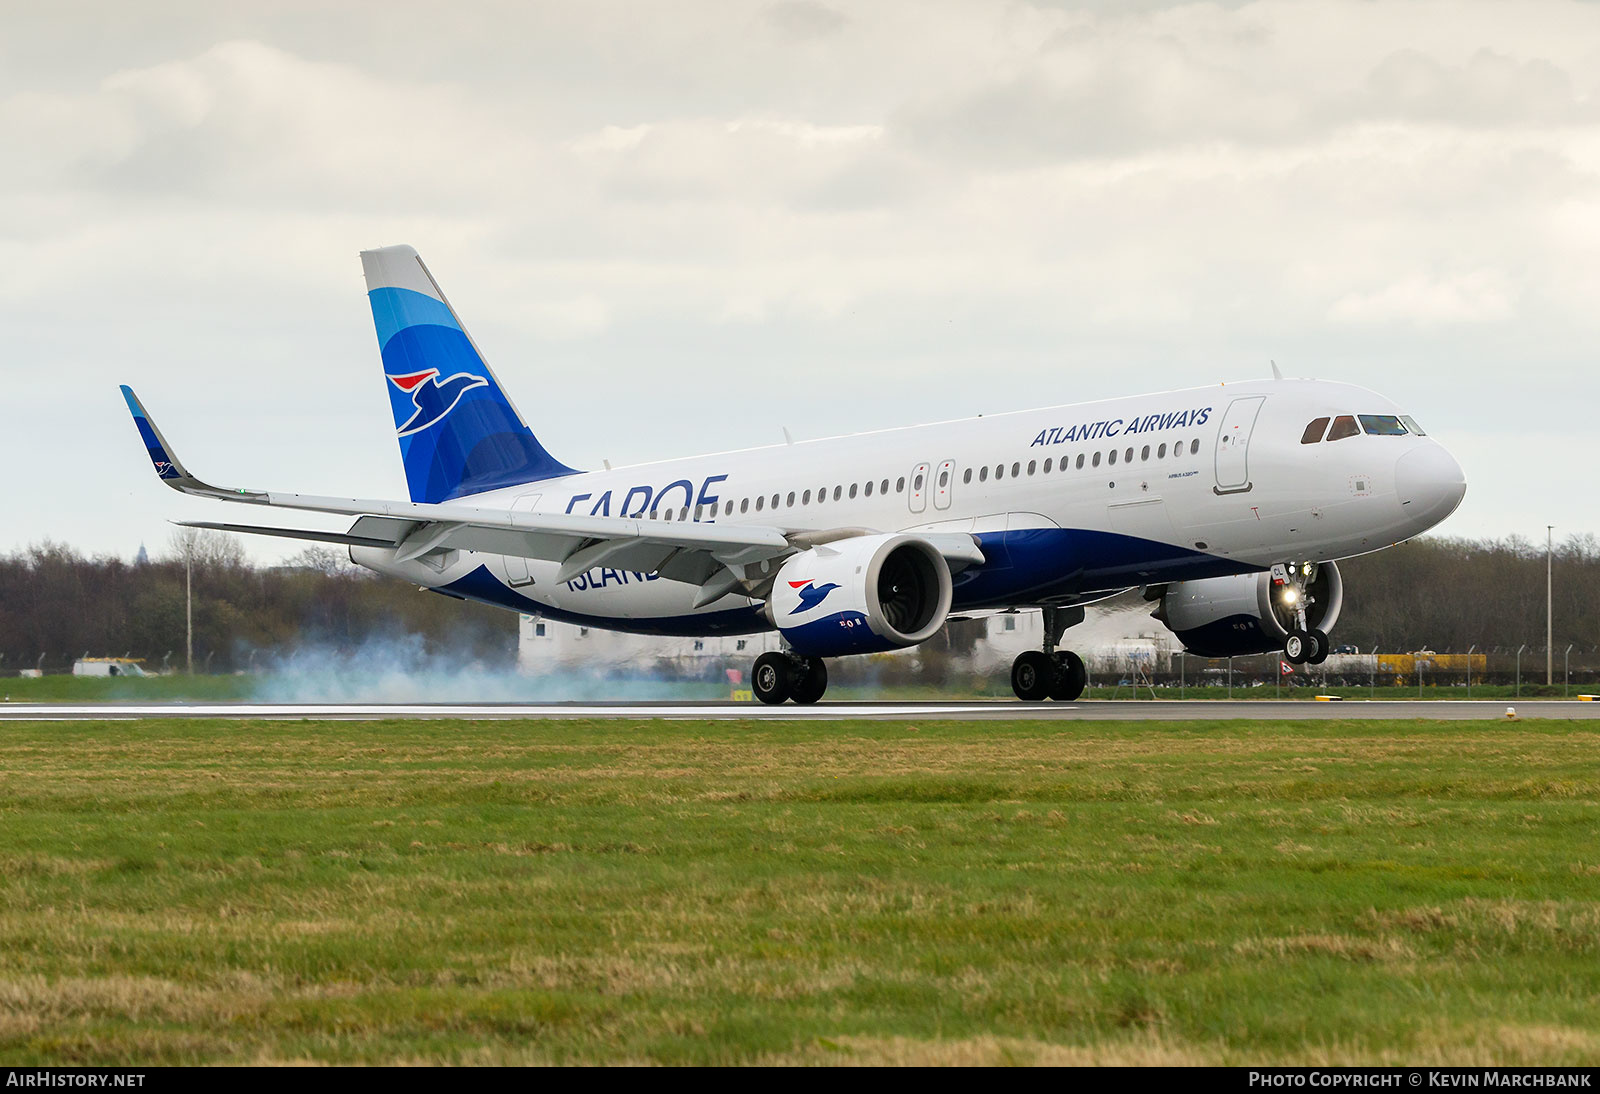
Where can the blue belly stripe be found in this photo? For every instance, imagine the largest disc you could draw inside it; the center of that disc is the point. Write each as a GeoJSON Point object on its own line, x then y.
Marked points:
{"type": "Point", "coordinates": [1025, 566]}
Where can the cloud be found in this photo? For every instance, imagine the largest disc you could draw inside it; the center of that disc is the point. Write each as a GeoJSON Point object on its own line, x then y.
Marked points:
{"type": "Point", "coordinates": [805, 19]}
{"type": "Point", "coordinates": [1489, 90]}
{"type": "Point", "coordinates": [939, 208]}
{"type": "Point", "coordinates": [1482, 296]}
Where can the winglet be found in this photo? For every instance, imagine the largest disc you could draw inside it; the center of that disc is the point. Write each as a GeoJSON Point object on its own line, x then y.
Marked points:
{"type": "Point", "coordinates": [171, 472]}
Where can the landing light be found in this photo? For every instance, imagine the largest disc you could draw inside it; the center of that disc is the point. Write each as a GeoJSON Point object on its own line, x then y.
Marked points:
{"type": "Point", "coordinates": [1290, 596]}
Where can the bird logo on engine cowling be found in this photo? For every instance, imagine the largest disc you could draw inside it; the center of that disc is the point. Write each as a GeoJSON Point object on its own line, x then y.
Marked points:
{"type": "Point", "coordinates": [810, 595]}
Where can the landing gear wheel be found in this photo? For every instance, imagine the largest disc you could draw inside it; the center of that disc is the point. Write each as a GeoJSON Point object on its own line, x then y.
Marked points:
{"type": "Point", "coordinates": [1032, 674]}
{"type": "Point", "coordinates": [1296, 647]}
{"type": "Point", "coordinates": [772, 679]}
{"type": "Point", "coordinates": [811, 681]}
{"type": "Point", "coordinates": [1319, 647]}
{"type": "Point", "coordinates": [1071, 677]}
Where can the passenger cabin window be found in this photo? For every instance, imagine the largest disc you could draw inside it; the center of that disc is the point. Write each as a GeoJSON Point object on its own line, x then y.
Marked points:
{"type": "Point", "coordinates": [1343, 426]}
{"type": "Point", "coordinates": [1382, 425]}
{"type": "Point", "coordinates": [869, 487]}
{"type": "Point", "coordinates": [853, 489]}
{"type": "Point", "coordinates": [1194, 447]}
{"type": "Point", "coordinates": [983, 473]}
{"type": "Point", "coordinates": [966, 476]}
{"type": "Point", "coordinates": [837, 491]}
{"type": "Point", "coordinates": [1112, 458]}
{"type": "Point", "coordinates": [1314, 431]}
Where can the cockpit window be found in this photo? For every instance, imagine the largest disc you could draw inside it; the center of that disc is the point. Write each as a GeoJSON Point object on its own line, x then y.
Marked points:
{"type": "Point", "coordinates": [1411, 424]}
{"type": "Point", "coordinates": [1314, 431]}
{"type": "Point", "coordinates": [1382, 425]}
{"type": "Point", "coordinates": [1343, 426]}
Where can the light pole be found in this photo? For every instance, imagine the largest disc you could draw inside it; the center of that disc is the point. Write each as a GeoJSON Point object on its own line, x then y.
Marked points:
{"type": "Point", "coordinates": [188, 607]}
{"type": "Point", "coordinates": [1469, 668]}
{"type": "Point", "coordinates": [1549, 614]}
{"type": "Point", "coordinates": [1519, 668]}
{"type": "Point", "coordinates": [1566, 674]}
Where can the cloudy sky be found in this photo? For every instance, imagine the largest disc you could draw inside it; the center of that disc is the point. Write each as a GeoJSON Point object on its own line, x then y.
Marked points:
{"type": "Point", "coordinates": [680, 227]}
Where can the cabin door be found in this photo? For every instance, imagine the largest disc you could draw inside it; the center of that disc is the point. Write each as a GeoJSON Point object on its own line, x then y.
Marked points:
{"type": "Point", "coordinates": [1233, 444]}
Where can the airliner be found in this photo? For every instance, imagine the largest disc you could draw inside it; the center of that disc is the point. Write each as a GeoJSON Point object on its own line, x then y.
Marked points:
{"type": "Point", "coordinates": [1228, 506]}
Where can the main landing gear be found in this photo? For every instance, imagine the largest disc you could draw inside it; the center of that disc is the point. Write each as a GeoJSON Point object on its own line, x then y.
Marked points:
{"type": "Point", "coordinates": [1304, 645]}
{"type": "Point", "coordinates": [1037, 675]}
{"type": "Point", "coordinates": [778, 677]}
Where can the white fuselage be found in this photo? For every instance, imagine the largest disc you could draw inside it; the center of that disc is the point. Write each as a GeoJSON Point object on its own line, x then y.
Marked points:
{"type": "Point", "coordinates": [1068, 503]}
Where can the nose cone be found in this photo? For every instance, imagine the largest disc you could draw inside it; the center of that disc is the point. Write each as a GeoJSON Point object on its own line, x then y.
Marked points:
{"type": "Point", "coordinates": [1429, 485]}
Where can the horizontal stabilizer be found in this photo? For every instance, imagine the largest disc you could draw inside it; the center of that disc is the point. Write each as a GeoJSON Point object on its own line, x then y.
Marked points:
{"type": "Point", "coordinates": [287, 533]}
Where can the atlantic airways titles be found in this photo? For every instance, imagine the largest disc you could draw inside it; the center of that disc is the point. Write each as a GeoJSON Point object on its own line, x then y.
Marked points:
{"type": "Point", "coordinates": [1115, 427]}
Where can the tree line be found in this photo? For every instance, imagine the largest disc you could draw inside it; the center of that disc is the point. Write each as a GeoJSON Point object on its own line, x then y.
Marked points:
{"type": "Point", "coordinates": [58, 604]}
{"type": "Point", "coordinates": [1448, 594]}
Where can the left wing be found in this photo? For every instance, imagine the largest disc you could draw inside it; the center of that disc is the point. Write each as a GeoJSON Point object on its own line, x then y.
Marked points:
{"type": "Point", "coordinates": [717, 558]}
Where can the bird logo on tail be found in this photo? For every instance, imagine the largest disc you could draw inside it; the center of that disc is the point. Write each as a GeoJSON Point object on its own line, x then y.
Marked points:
{"type": "Point", "coordinates": [434, 398]}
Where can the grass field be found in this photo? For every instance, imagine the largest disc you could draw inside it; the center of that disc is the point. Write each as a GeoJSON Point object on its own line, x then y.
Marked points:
{"type": "Point", "coordinates": [686, 892]}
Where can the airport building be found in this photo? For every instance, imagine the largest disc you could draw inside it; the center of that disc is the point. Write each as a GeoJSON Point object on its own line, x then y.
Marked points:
{"type": "Point", "coordinates": [1113, 641]}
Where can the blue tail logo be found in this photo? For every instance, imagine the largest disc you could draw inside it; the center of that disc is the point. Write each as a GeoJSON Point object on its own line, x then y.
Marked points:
{"type": "Point", "coordinates": [810, 595]}
{"type": "Point", "coordinates": [458, 432]}
{"type": "Point", "coordinates": [434, 398]}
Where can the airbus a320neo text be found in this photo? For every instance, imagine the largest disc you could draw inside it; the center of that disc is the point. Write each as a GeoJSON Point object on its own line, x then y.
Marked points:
{"type": "Point", "coordinates": [1227, 505]}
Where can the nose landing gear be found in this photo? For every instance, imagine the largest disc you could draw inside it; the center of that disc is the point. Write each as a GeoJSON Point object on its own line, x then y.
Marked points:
{"type": "Point", "coordinates": [1304, 645]}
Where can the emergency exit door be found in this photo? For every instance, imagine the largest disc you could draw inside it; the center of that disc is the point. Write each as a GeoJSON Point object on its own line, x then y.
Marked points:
{"type": "Point", "coordinates": [516, 566]}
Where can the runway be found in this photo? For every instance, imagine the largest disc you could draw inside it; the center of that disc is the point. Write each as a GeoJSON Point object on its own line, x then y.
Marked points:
{"type": "Point", "coordinates": [1098, 710]}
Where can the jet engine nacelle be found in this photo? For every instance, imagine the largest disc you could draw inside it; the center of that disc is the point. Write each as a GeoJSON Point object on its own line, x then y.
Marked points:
{"type": "Point", "coordinates": [864, 594]}
{"type": "Point", "coordinates": [1246, 613]}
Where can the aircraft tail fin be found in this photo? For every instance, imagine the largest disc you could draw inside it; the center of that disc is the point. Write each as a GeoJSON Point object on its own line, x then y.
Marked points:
{"type": "Point", "coordinates": [459, 433]}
